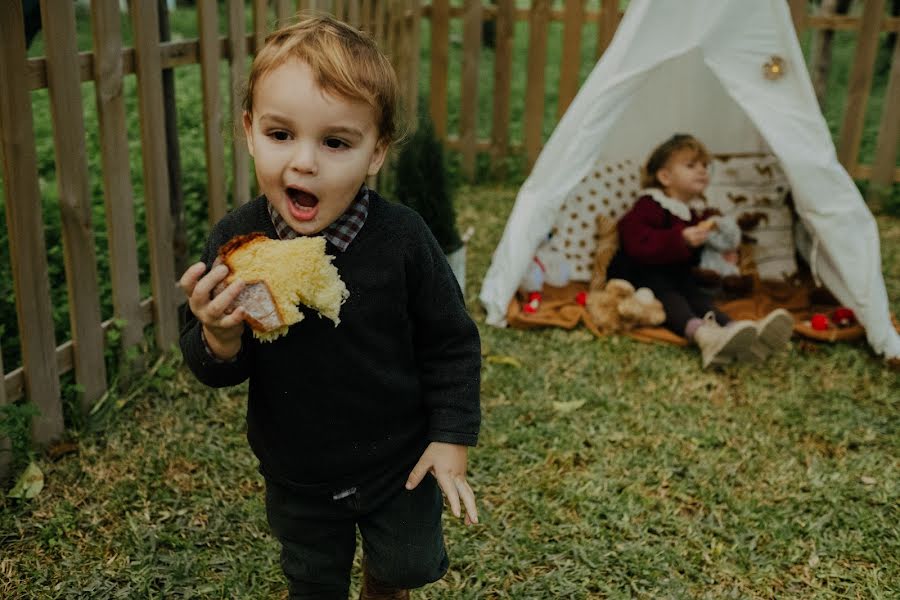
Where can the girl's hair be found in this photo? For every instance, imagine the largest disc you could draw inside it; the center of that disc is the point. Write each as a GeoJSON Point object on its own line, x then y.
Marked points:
{"type": "Point", "coordinates": [661, 155]}
{"type": "Point", "coordinates": [345, 62]}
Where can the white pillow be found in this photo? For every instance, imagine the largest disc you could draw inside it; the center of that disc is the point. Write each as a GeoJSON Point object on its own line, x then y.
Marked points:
{"type": "Point", "coordinates": [755, 185]}
{"type": "Point", "coordinates": [610, 189]}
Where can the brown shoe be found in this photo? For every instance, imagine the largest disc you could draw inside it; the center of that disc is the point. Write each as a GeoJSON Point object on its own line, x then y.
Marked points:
{"type": "Point", "coordinates": [372, 589]}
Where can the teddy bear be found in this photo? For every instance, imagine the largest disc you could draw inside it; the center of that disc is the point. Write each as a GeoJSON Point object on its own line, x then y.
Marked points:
{"type": "Point", "coordinates": [619, 307]}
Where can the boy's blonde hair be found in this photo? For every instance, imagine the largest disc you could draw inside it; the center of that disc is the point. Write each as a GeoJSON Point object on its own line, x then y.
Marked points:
{"type": "Point", "coordinates": [345, 62]}
{"type": "Point", "coordinates": [661, 155]}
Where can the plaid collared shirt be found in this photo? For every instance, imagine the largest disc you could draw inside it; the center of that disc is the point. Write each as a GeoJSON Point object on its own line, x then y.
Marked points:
{"type": "Point", "coordinates": [341, 232]}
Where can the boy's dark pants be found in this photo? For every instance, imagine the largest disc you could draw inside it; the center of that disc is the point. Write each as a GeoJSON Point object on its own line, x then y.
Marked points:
{"type": "Point", "coordinates": [402, 538]}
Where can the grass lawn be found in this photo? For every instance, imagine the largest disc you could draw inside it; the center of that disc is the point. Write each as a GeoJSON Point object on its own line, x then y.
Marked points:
{"type": "Point", "coordinates": [606, 468]}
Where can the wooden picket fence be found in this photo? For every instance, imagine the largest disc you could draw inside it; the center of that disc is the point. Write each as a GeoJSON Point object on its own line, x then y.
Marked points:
{"type": "Point", "coordinates": [395, 23]}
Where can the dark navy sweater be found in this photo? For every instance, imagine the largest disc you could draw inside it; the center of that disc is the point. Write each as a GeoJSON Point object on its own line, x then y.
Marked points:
{"type": "Point", "coordinates": [332, 407]}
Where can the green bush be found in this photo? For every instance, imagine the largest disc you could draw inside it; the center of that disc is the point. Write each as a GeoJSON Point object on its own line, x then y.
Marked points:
{"type": "Point", "coordinates": [421, 182]}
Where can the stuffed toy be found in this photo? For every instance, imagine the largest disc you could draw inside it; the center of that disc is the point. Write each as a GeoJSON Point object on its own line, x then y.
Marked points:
{"type": "Point", "coordinates": [720, 252]}
{"type": "Point", "coordinates": [549, 266]}
{"type": "Point", "coordinates": [619, 307]}
{"type": "Point", "coordinates": [607, 245]}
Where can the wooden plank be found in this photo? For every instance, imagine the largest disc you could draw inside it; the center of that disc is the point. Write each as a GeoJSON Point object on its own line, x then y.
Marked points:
{"type": "Point", "coordinates": [260, 22]}
{"type": "Point", "coordinates": [353, 13]}
{"type": "Point", "coordinates": [13, 383]}
{"type": "Point", "coordinates": [381, 23]}
{"type": "Point", "coordinates": [338, 9]}
{"type": "Point", "coordinates": [503, 47]}
{"type": "Point", "coordinates": [413, 37]}
{"type": "Point", "coordinates": [366, 15]}
{"type": "Point", "coordinates": [284, 11]}
{"type": "Point", "coordinates": [888, 135]}
{"type": "Point", "coordinates": [468, 119]}
{"type": "Point", "coordinates": [606, 28]}
{"type": "Point", "coordinates": [799, 15]}
{"type": "Point", "coordinates": [28, 255]}
{"type": "Point", "coordinates": [208, 21]}
{"type": "Point", "coordinates": [67, 114]}
{"type": "Point", "coordinates": [845, 23]}
{"type": "Point", "coordinates": [172, 54]}
{"type": "Point", "coordinates": [535, 92]}
{"type": "Point", "coordinates": [156, 179]}
{"type": "Point", "coordinates": [238, 75]}
{"type": "Point", "coordinates": [841, 23]}
{"type": "Point", "coordinates": [440, 65]}
{"type": "Point", "coordinates": [118, 193]}
{"type": "Point", "coordinates": [571, 57]}
{"type": "Point", "coordinates": [860, 83]}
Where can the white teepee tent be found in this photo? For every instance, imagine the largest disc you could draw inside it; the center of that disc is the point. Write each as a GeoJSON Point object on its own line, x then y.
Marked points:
{"type": "Point", "coordinates": [697, 66]}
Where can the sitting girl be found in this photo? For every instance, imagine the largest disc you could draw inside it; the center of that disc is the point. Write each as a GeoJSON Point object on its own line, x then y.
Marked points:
{"type": "Point", "coordinates": [660, 242]}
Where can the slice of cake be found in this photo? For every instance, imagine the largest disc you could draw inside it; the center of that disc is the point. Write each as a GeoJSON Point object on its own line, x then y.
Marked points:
{"type": "Point", "coordinates": [278, 275]}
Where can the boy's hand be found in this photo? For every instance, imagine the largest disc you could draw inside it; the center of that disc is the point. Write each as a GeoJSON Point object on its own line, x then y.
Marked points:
{"type": "Point", "coordinates": [447, 463]}
{"type": "Point", "coordinates": [221, 325]}
{"type": "Point", "coordinates": [694, 236]}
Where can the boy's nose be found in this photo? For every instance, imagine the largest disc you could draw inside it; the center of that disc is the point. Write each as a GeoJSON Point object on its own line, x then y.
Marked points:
{"type": "Point", "coordinates": [303, 159]}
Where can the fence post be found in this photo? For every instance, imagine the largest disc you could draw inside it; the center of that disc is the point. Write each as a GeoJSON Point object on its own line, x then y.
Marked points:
{"type": "Point", "coordinates": [534, 94]}
{"type": "Point", "coordinates": [67, 114]}
{"type": "Point", "coordinates": [468, 118]}
{"type": "Point", "coordinates": [5, 442]}
{"type": "Point", "coordinates": [571, 57]}
{"type": "Point", "coordinates": [860, 83]}
{"type": "Point", "coordinates": [260, 23]}
{"type": "Point", "coordinates": [156, 178]}
{"type": "Point", "coordinates": [237, 42]}
{"type": "Point", "coordinates": [118, 194]}
{"type": "Point", "coordinates": [208, 22]}
{"type": "Point", "coordinates": [25, 226]}
{"type": "Point", "coordinates": [440, 61]}
{"type": "Point", "coordinates": [503, 44]}
{"type": "Point", "coordinates": [888, 135]}
{"type": "Point", "coordinates": [607, 24]}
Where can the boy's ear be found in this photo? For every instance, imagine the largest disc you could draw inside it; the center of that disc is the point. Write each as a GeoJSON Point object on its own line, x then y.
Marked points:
{"type": "Point", "coordinates": [247, 121]}
{"type": "Point", "coordinates": [378, 156]}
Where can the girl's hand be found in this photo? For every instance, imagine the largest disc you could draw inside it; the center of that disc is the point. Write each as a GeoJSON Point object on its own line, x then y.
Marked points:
{"type": "Point", "coordinates": [694, 236]}
{"type": "Point", "coordinates": [447, 463]}
{"type": "Point", "coordinates": [222, 326]}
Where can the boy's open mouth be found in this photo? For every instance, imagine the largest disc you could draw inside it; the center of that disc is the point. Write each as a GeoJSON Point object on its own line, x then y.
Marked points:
{"type": "Point", "coordinates": [303, 205]}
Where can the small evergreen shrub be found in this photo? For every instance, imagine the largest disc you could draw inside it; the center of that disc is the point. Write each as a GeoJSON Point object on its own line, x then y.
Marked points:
{"type": "Point", "coordinates": [421, 182]}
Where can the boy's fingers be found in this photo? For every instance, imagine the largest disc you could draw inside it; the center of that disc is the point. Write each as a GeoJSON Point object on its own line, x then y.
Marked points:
{"type": "Point", "coordinates": [449, 488]}
{"type": "Point", "coordinates": [189, 278]}
{"type": "Point", "coordinates": [468, 498]}
{"type": "Point", "coordinates": [220, 304]}
{"type": "Point", "coordinates": [206, 284]}
{"type": "Point", "coordinates": [416, 475]}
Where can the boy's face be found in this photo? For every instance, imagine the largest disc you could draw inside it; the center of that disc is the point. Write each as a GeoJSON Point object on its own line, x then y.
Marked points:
{"type": "Point", "coordinates": [684, 175]}
{"type": "Point", "coordinates": [312, 150]}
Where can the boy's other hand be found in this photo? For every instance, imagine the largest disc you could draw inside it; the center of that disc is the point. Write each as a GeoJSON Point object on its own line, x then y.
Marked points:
{"type": "Point", "coordinates": [695, 236]}
{"type": "Point", "coordinates": [447, 463]}
{"type": "Point", "coordinates": [222, 325]}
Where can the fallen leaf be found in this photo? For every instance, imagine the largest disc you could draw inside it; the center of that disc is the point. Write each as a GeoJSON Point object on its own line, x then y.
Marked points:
{"type": "Point", "coordinates": [813, 561]}
{"type": "Point", "coordinates": [504, 360]}
{"type": "Point", "coordinates": [30, 483]}
{"type": "Point", "coordinates": [866, 480]}
{"type": "Point", "coordinates": [567, 407]}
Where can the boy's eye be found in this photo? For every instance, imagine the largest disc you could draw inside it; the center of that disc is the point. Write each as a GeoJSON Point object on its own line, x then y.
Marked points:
{"type": "Point", "coordinates": [281, 136]}
{"type": "Point", "coordinates": [334, 143]}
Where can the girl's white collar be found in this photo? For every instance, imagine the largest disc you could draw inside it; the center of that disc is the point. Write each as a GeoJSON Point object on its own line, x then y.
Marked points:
{"type": "Point", "coordinates": [676, 207]}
